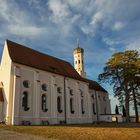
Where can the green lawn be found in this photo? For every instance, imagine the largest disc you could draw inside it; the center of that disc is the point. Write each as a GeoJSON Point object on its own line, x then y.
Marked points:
{"type": "Point", "coordinates": [104, 131]}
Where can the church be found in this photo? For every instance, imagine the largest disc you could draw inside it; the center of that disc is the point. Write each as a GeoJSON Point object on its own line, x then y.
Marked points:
{"type": "Point", "coordinates": [39, 89]}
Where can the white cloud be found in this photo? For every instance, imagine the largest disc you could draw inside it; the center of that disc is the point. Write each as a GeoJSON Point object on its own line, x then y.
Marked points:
{"type": "Point", "coordinates": [26, 31]}
{"type": "Point", "coordinates": [80, 5]}
{"type": "Point", "coordinates": [59, 10]}
{"type": "Point", "coordinates": [17, 21]}
{"type": "Point", "coordinates": [112, 49]}
{"type": "Point", "coordinates": [110, 41]}
{"type": "Point", "coordinates": [92, 26]}
{"type": "Point", "coordinates": [134, 45]}
{"type": "Point", "coordinates": [118, 26]}
{"type": "Point", "coordinates": [64, 18]}
{"type": "Point", "coordinates": [74, 3]}
{"type": "Point", "coordinates": [88, 30]}
{"type": "Point", "coordinates": [11, 16]}
{"type": "Point", "coordinates": [97, 18]}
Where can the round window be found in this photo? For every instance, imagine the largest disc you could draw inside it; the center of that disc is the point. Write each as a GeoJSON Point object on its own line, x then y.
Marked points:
{"type": "Point", "coordinates": [44, 87]}
{"type": "Point", "coordinates": [71, 92]}
{"type": "Point", "coordinates": [26, 84]}
{"type": "Point", "coordinates": [59, 90]}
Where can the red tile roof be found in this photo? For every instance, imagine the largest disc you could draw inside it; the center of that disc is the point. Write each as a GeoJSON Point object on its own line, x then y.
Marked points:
{"type": "Point", "coordinates": [96, 86]}
{"type": "Point", "coordinates": [1, 95]}
{"type": "Point", "coordinates": [29, 57]}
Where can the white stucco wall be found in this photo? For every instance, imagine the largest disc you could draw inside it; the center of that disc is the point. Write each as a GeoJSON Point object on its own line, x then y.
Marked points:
{"type": "Point", "coordinates": [35, 114]}
{"type": "Point", "coordinates": [102, 105]}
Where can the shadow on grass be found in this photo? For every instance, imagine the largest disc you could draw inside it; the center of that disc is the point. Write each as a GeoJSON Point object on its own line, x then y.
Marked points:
{"type": "Point", "coordinates": [94, 125]}
{"type": "Point", "coordinates": [103, 125]}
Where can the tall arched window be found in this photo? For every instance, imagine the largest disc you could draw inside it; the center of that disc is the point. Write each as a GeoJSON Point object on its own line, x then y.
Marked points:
{"type": "Point", "coordinates": [44, 103]}
{"type": "Point", "coordinates": [59, 104]}
{"type": "Point", "coordinates": [25, 101]}
{"type": "Point", "coordinates": [79, 61]}
{"type": "Point", "coordinates": [93, 107]}
{"type": "Point", "coordinates": [105, 110]}
{"type": "Point", "coordinates": [82, 102]}
{"type": "Point", "coordinates": [82, 106]}
{"type": "Point", "coordinates": [71, 106]}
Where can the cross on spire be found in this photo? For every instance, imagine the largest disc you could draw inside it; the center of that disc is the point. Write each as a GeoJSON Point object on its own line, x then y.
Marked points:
{"type": "Point", "coordinates": [78, 43]}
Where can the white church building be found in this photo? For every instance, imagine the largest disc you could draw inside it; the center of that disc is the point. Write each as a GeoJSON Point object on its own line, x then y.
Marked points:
{"type": "Point", "coordinates": [38, 89]}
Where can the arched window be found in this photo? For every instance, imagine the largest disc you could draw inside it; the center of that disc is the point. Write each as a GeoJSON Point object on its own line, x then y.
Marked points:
{"type": "Point", "coordinates": [79, 61]}
{"type": "Point", "coordinates": [105, 110]}
{"type": "Point", "coordinates": [71, 106]}
{"type": "Point", "coordinates": [71, 92]}
{"type": "Point", "coordinates": [81, 94]}
{"type": "Point", "coordinates": [59, 104]}
{"type": "Point", "coordinates": [25, 101]}
{"type": "Point", "coordinates": [26, 83]}
{"type": "Point", "coordinates": [82, 101]}
{"type": "Point", "coordinates": [44, 103]}
{"type": "Point", "coordinates": [59, 90]}
{"type": "Point", "coordinates": [93, 107]}
{"type": "Point", "coordinates": [82, 106]}
{"type": "Point", "coordinates": [92, 96]}
{"type": "Point", "coordinates": [44, 87]}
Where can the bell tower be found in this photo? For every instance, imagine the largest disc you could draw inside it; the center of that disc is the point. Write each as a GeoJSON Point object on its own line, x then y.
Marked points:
{"type": "Point", "coordinates": [78, 55]}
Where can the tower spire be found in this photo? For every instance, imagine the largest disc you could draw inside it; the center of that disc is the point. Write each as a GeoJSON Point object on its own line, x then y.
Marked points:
{"type": "Point", "coordinates": [78, 46]}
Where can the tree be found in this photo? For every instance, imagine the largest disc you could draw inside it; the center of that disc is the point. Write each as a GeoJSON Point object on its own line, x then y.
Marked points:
{"type": "Point", "coordinates": [123, 111]}
{"type": "Point", "coordinates": [121, 71]}
{"type": "Point", "coordinates": [116, 110]}
{"type": "Point", "coordinates": [135, 97]}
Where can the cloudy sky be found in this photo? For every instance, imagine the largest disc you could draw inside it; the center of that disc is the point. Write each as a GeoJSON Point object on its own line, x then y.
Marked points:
{"type": "Point", "coordinates": [53, 26]}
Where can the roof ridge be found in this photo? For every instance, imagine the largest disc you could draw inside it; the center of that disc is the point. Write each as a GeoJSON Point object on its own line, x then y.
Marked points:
{"type": "Point", "coordinates": [95, 85]}
{"type": "Point", "coordinates": [37, 51]}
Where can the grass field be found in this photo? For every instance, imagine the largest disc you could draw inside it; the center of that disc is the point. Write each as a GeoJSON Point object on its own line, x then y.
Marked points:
{"type": "Point", "coordinates": [109, 131]}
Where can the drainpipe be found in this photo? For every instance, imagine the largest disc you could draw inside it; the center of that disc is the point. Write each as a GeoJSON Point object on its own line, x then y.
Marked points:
{"type": "Point", "coordinates": [97, 107]}
{"type": "Point", "coordinates": [65, 100]}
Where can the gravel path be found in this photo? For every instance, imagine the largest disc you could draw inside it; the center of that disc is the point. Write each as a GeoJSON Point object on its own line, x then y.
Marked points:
{"type": "Point", "coordinates": [11, 135]}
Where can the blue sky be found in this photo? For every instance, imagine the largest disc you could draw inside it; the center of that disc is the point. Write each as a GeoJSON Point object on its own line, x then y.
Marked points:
{"type": "Point", "coordinates": [53, 26]}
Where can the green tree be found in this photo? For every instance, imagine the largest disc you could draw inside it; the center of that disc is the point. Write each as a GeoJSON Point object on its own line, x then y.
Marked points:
{"type": "Point", "coordinates": [122, 71]}
{"type": "Point", "coordinates": [123, 111]}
